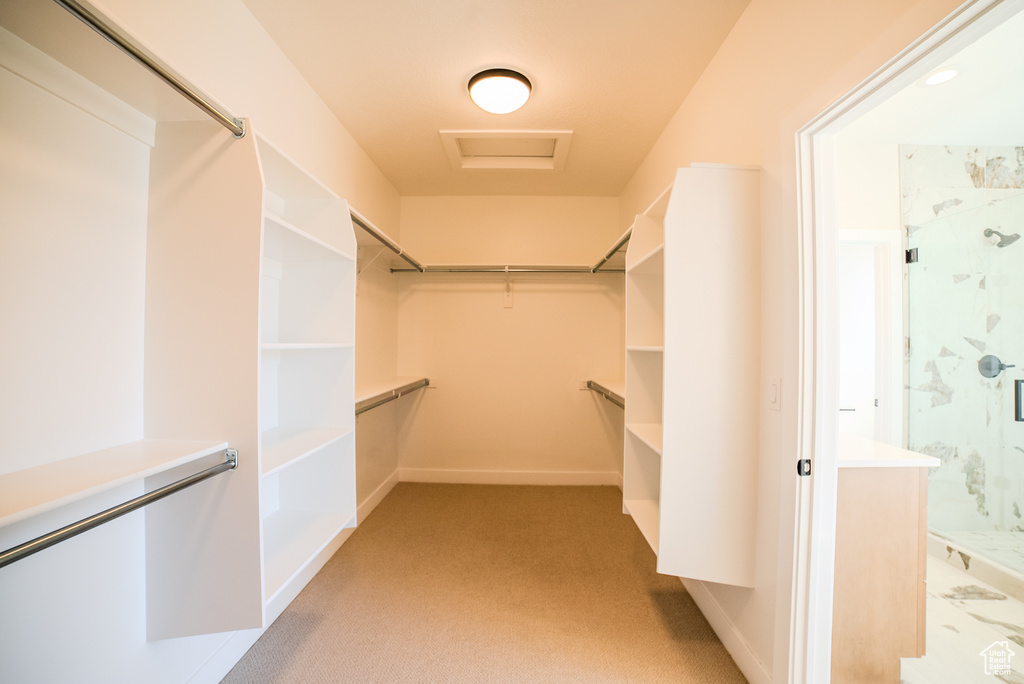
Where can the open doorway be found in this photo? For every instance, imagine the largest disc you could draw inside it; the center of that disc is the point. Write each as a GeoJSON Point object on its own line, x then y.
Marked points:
{"type": "Point", "coordinates": [873, 167]}
{"type": "Point", "coordinates": [940, 167]}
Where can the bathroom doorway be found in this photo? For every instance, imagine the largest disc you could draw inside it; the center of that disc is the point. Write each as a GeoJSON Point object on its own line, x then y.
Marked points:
{"type": "Point", "coordinates": [848, 175]}
{"type": "Point", "coordinates": [941, 166]}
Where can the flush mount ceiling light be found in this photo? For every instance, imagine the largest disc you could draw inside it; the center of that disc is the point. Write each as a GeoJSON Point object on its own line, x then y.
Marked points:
{"type": "Point", "coordinates": [499, 91]}
{"type": "Point", "coordinates": [940, 75]}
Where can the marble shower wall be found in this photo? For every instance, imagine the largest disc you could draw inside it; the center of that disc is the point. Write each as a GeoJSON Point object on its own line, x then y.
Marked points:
{"type": "Point", "coordinates": [966, 300]}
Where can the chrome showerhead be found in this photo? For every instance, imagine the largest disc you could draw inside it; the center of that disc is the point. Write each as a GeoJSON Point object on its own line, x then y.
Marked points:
{"type": "Point", "coordinates": [1004, 240]}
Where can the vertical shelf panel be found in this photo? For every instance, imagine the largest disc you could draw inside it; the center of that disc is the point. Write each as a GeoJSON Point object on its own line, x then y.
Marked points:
{"type": "Point", "coordinates": [201, 357]}
{"type": "Point", "coordinates": [307, 376]}
{"type": "Point", "coordinates": [645, 315]}
{"type": "Point", "coordinates": [709, 462]}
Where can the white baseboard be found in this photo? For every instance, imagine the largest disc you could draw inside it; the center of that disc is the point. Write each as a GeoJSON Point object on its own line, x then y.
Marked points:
{"type": "Point", "coordinates": [618, 480]}
{"type": "Point", "coordinates": [371, 501]}
{"type": "Point", "coordinates": [226, 657]}
{"type": "Point", "coordinates": [751, 667]}
{"type": "Point", "coordinates": [237, 644]}
{"type": "Point", "coordinates": [277, 603]}
{"type": "Point", "coordinates": [508, 477]}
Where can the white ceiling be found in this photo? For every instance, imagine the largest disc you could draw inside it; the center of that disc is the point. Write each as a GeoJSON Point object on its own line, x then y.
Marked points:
{"type": "Point", "coordinates": [983, 105]}
{"type": "Point", "coordinates": [395, 73]}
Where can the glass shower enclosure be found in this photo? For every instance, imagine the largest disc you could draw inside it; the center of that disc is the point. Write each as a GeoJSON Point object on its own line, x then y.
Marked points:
{"type": "Point", "coordinates": [963, 211]}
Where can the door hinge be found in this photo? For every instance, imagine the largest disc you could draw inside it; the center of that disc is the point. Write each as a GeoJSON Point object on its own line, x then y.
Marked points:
{"type": "Point", "coordinates": [803, 467]}
{"type": "Point", "coordinates": [912, 256]}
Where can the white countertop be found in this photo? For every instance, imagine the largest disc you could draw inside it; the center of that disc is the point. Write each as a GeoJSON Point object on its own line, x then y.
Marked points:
{"type": "Point", "coordinates": [857, 452]}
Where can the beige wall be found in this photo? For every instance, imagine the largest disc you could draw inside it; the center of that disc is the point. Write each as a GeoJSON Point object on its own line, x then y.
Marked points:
{"type": "Point", "coordinates": [221, 48]}
{"type": "Point", "coordinates": [784, 62]}
{"type": "Point", "coordinates": [510, 230]}
{"type": "Point", "coordinates": [507, 404]}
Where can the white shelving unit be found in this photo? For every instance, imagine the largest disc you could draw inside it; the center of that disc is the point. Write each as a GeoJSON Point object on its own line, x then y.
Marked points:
{"type": "Point", "coordinates": [175, 292]}
{"type": "Point", "coordinates": [645, 331]}
{"type": "Point", "coordinates": [689, 457]}
{"type": "Point", "coordinates": [306, 378]}
{"type": "Point", "coordinates": [249, 332]}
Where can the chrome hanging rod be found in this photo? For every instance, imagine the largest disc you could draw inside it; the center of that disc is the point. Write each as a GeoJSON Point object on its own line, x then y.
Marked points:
{"type": "Point", "coordinates": [607, 393]}
{"type": "Point", "coordinates": [611, 252]}
{"type": "Point", "coordinates": [233, 124]}
{"type": "Point", "coordinates": [505, 269]}
{"type": "Point", "coordinates": [384, 240]}
{"type": "Point", "coordinates": [390, 395]}
{"type": "Point", "coordinates": [47, 540]}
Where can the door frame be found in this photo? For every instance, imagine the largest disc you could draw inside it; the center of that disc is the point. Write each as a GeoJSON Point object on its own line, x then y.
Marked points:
{"type": "Point", "coordinates": [817, 370]}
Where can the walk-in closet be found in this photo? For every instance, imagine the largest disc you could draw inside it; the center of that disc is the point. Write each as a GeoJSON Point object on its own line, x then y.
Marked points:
{"type": "Point", "coordinates": [315, 370]}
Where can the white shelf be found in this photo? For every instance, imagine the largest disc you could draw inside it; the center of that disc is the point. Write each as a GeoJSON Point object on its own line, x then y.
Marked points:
{"type": "Point", "coordinates": [372, 389]}
{"type": "Point", "coordinates": [651, 263]}
{"type": "Point", "coordinates": [647, 240]}
{"type": "Point", "coordinates": [648, 433]}
{"type": "Point", "coordinates": [616, 385]}
{"type": "Point", "coordinates": [647, 516]}
{"type": "Point", "coordinates": [652, 348]}
{"type": "Point", "coordinates": [283, 447]}
{"type": "Point", "coordinates": [273, 249]}
{"type": "Point", "coordinates": [291, 539]}
{"type": "Point", "coordinates": [29, 492]}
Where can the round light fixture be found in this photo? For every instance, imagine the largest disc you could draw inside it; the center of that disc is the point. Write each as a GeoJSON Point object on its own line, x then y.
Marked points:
{"type": "Point", "coordinates": [499, 91]}
{"type": "Point", "coordinates": [941, 75]}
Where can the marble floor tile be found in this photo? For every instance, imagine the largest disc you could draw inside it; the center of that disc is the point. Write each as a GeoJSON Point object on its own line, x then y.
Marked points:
{"type": "Point", "coordinates": [960, 628]}
{"type": "Point", "coordinates": [1004, 547]}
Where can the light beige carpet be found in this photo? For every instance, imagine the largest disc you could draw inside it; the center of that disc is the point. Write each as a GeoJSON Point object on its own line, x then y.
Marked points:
{"type": "Point", "coordinates": [466, 583]}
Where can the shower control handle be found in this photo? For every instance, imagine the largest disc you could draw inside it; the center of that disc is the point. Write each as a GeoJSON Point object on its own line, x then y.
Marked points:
{"type": "Point", "coordinates": [990, 366]}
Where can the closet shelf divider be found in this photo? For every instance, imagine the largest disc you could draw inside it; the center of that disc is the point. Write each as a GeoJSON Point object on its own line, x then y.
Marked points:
{"type": "Point", "coordinates": [282, 447]}
{"type": "Point", "coordinates": [648, 433]}
{"type": "Point", "coordinates": [279, 221]}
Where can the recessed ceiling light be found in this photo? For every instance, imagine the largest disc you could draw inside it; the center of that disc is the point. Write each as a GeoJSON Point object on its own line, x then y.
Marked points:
{"type": "Point", "coordinates": [499, 91]}
{"type": "Point", "coordinates": [941, 75]}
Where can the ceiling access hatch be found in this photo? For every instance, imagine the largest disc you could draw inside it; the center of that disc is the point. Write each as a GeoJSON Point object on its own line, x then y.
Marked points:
{"type": "Point", "coordinates": [540, 150]}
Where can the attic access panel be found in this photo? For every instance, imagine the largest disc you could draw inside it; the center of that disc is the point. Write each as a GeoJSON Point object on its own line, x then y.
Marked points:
{"type": "Point", "coordinates": [536, 150]}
